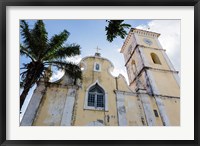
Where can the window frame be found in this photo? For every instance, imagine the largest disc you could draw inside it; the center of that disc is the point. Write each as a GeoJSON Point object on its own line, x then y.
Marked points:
{"type": "Point", "coordinates": [96, 99]}
{"type": "Point", "coordinates": [105, 99]}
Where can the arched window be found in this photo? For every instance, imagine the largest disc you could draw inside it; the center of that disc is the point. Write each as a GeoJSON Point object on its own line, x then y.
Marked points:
{"type": "Point", "coordinates": [96, 97]}
{"type": "Point", "coordinates": [133, 62]}
{"type": "Point", "coordinates": [133, 66]}
{"type": "Point", "coordinates": [155, 58]}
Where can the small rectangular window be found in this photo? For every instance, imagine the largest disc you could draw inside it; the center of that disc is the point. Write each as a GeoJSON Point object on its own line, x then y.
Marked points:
{"type": "Point", "coordinates": [97, 67]}
{"type": "Point", "coordinates": [156, 113]}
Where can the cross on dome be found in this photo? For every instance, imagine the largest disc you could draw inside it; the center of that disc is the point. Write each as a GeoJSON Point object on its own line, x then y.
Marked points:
{"type": "Point", "coordinates": [97, 51]}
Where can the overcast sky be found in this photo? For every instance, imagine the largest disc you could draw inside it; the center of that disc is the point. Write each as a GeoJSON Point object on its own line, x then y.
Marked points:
{"type": "Point", "coordinates": [91, 33]}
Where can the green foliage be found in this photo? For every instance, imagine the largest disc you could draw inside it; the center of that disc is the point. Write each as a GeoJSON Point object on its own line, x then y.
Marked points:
{"type": "Point", "coordinates": [44, 52]}
{"type": "Point", "coordinates": [116, 28]}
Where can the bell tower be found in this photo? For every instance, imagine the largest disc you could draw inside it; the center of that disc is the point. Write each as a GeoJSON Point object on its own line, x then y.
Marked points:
{"type": "Point", "coordinates": [150, 72]}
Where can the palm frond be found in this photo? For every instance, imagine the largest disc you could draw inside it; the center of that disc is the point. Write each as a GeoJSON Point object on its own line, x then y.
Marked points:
{"type": "Point", "coordinates": [58, 39]}
{"type": "Point", "coordinates": [23, 75]}
{"type": "Point", "coordinates": [25, 33]}
{"type": "Point", "coordinates": [116, 28]}
{"type": "Point", "coordinates": [56, 42]}
{"type": "Point", "coordinates": [21, 84]}
{"type": "Point", "coordinates": [26, 52]}
{"type": "Point", "coordinates": [34, 40]}
{"type": "Point", "coordinates": [63, 52]}
{"type": "Point", "coordinates": [124, 25]}
{"type": "Point", "coordinates": [40, 38]}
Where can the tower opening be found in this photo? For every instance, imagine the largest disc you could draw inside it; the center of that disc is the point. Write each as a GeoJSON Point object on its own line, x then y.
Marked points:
{"type": "Point", "coordinates": [155, 58]}
{"type": "Point", "coordinates": [133, 66]}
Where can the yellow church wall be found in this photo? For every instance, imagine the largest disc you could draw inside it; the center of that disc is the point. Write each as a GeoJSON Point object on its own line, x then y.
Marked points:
{"type": "Point", "coordinates": [155, 107]}
{"type": "Point", "coordinates": [165, 83]}
{"type": "Point", "coordinates": [172, 108]}
{"type": "Point", "coordinates": [122, 84]}
{"type": "Point", "coordinates": [134, 111]}
{"type": "Point", "coordinates": [84, 117]}
{"type": "Point", "coordinates": [107, 82]}
{"type": "Point", "coordinates": [51, 108]}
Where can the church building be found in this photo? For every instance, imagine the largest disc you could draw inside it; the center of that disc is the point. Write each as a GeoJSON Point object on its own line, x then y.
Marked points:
{"type": "Point", "coordinates": [152, 97]}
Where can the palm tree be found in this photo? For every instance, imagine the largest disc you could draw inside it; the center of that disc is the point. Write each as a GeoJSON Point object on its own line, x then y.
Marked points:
{"type": "Point", "coordinates": [116, 28]}
{"type": "Point", "coordinates": [43, 53]}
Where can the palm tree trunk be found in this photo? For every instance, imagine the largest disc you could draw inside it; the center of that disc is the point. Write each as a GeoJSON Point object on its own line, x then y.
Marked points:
{"type": "Point", "coordinates": [33, 74]}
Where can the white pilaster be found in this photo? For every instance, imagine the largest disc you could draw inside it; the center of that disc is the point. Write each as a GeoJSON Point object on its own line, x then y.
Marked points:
{"type": "Point", "coordinates": [33, 106]}
{"type": "Point", "coordinates": [162, 111]}
{"type": "Point", "coordinates": [68, 108]}
{"type": "Point", "coordinates": [121, 110]}
{"type": "Point", "coordinates": [150, 118]}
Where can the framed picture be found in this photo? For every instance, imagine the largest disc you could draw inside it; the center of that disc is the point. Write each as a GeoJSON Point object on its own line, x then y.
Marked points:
{"type": "Point", "coordinates": [131, 92]}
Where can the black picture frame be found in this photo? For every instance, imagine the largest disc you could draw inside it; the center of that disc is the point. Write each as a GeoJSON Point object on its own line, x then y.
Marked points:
{"type": "Point", "coordinates": [5, 3]}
